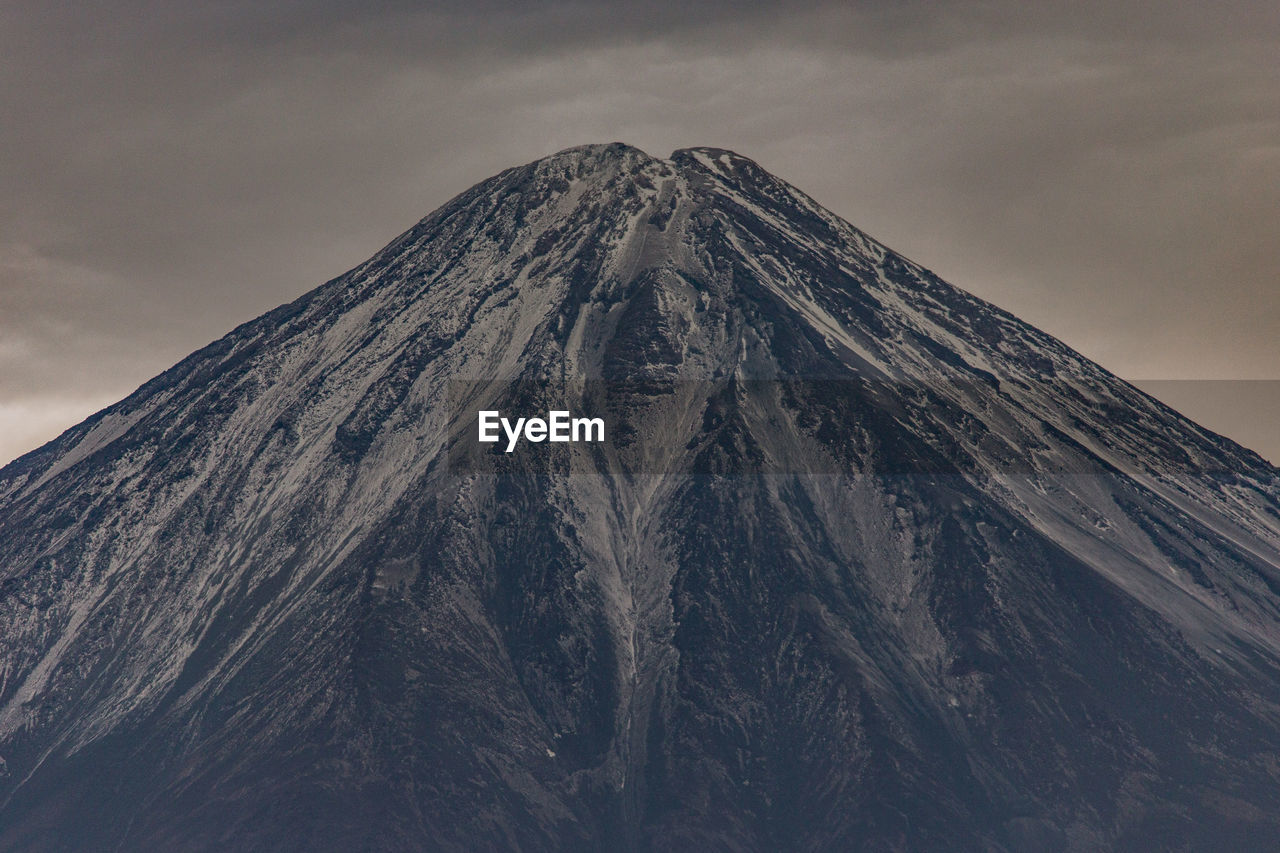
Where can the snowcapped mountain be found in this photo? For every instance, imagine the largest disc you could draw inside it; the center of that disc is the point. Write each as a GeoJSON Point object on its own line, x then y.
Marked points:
{"type": "Point", "coordinates": [863, 562]}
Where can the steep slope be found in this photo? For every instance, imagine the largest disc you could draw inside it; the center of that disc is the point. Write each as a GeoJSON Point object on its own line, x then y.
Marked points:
{"type": "Point", "coordinates": [865, 562]}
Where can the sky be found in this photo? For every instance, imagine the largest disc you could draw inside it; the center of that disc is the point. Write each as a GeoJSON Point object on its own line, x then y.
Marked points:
{"type": "Point", "coordinates": [1108, 171]}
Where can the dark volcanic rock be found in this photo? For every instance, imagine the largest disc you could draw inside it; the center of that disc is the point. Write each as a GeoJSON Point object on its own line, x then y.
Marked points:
{"type": "Point", "coordinates": [865, 564]}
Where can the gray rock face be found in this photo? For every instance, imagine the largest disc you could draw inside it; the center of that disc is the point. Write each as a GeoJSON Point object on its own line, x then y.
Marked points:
{"type": "Point", "coordinates": [864, 564]}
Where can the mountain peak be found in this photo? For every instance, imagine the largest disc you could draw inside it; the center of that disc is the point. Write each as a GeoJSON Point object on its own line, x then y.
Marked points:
{"type": "Point", "coordinates": [708, 154]}
{"type": "Point", "coordinates": [594, 156]}
{"type": "Point", "coordinates": [719, 161]}
{"type": "Point", "coordinates": [598, 150]}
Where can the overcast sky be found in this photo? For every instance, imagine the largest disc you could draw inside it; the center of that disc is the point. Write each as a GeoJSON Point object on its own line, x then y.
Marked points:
{"type": "Point", "coordinates": [1108, 171]}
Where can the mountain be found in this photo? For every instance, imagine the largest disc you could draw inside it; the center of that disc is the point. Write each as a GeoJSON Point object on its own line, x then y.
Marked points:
{"type": "Point", "coordinates": [863, 562]}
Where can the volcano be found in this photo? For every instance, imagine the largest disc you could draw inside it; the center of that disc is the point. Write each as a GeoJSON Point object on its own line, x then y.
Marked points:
{"type": "Point", "coordinates": [861, 562]}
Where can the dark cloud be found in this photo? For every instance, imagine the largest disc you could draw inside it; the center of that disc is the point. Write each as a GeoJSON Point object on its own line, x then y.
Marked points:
{"type": "Point", "coordinates": [1108, 170]}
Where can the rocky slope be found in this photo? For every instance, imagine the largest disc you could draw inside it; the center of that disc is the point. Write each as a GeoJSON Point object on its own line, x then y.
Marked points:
{"type": "Point", "coordinates": [865, 563]}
